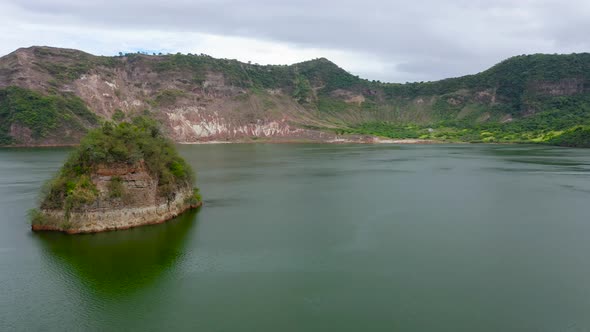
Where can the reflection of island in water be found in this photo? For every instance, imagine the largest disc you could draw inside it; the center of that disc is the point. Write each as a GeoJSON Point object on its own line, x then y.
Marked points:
{"type": "Point", "coordinates": [119, 262]}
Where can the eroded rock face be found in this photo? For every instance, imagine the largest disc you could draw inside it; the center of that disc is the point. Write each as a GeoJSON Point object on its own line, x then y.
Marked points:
{"type": "Point", "coordinates": [104, 219]}
{"type": "Point", "coordinates": [563, 87]}
{"type": "Point", "coordinates": [137, 187]}
{"type": "Point", "coordinates": [190, 125]}
{"type": "Point", "coordinates": [127, 197]}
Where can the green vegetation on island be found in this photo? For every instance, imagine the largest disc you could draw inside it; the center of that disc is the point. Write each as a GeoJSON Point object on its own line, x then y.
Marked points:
{"type": "Point", "coordinates": [139, 141]}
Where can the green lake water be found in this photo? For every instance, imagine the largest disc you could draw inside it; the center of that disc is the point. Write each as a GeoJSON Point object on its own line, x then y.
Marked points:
{"type": "Point", "coordinates": [318, 238]}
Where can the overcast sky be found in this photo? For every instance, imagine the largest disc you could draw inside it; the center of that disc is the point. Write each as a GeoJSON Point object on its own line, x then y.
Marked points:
{"type": "Point", "coordinates": [389, 40]}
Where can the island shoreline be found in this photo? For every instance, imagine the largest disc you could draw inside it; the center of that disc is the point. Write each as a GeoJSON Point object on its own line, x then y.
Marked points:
{"type": "Point", "coordinates": [55, 228]}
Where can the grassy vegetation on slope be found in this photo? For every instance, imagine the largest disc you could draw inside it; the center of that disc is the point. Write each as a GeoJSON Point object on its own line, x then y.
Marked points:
{"type": "Point", "coordinates": [67, 65]}
{"type": "Point", "coordinates": [510, 77]}
{"type": "Point", "coordinates": [42, 114]}
{"type": "Point", "coordinates": [563, 118]}
{"type": "Point", "coordinates": [111, 144]}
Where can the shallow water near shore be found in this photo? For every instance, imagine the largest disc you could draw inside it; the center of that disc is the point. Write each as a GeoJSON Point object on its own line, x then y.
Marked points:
{"type": "Point", "coordinates": [312, 237]}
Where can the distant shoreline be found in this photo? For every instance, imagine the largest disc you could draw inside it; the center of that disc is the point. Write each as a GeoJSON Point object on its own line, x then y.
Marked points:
{"type": "Point", "coordinates": [372, 140]}
{"type": "Point", "coordinates": [369, 141]}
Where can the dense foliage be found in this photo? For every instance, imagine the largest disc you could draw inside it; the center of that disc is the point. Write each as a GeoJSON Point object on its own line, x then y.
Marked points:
{"type": "Point", "coordinates": [510, 76]}
{"type": "Point", "coordinates": [127, 143]}
{"type": "Point", "coordinates": [559, 125]}
{"type": "Point", "coordinates": [42, 114]}
{"type": "Point", "coordinates": [576, 137]}
{"type": "Point", "coordinates": [235, 72]}
{"type": "Point", "coordinates": [295, 78]}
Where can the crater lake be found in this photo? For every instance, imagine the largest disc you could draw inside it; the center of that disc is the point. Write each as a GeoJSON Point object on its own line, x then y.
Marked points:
{"type": "Point", "coordinates": [311, 237]}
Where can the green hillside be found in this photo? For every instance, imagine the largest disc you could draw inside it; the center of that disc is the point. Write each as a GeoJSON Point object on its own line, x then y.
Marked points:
{"type": "Point", "coordinates": [527, 98]}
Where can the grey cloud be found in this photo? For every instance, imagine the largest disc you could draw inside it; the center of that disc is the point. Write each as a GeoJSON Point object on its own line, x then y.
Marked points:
{"type": "Point", "coordinates": [419, 40]}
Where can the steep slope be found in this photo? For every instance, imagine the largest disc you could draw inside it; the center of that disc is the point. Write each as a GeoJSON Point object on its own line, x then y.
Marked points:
{"type": "Point", "coordinates": [201, 98]}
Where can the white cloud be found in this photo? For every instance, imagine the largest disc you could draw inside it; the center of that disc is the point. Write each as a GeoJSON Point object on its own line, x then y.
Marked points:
{"type": "Point", "coordinates": [101, 41]}
{"type": "Point", "coordinates": [377, 39]}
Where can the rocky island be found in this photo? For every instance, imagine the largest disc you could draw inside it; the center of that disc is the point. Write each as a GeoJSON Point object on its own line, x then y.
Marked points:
{"type": "Point", "coordinates": [121, 176]}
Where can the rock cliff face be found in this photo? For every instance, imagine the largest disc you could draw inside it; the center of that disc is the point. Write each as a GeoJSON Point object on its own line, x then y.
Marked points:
{"type": "Point", "coordinates": [563, 87]}
{"type": "Point", "coordinates": [127, 196]}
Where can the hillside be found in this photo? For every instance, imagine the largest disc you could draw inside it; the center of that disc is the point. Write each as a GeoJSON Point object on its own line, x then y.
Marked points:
{"type": "Point", "coordinates": [52, 96]}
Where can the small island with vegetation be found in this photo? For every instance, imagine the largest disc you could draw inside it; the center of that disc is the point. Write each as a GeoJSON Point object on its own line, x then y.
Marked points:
{"type": "Point", "coordinates": [121, 176]}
